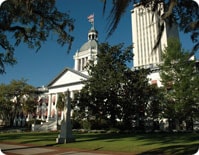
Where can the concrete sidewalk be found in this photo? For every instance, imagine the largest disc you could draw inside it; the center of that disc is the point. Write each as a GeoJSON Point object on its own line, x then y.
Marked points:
{"type": "Point", "coordinates": [15, 149]}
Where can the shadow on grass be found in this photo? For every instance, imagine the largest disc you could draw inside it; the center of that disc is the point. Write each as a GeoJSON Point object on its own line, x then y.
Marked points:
{"type": "Point", "coordinates": [94, 137]}
{"type": "Point", "coordinates": [165, 143]}
{"type": "Point", "coordinates": [173, 150]}
{"type": "Point", "coordinates": [148, 138]}
{"type": "Point", "coordinates": [168, 138]}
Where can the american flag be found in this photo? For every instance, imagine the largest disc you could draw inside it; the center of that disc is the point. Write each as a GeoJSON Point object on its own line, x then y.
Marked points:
{"type": "Point", "coordinates": [91, 18]}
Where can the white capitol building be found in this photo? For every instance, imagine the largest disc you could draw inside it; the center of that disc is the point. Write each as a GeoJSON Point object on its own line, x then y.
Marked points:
{"type": "Point", "coordinates": [144, 33]}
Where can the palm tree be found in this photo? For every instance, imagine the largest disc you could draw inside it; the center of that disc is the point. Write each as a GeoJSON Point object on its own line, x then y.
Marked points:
{"type": "Point", "coordinates": [183, 12]}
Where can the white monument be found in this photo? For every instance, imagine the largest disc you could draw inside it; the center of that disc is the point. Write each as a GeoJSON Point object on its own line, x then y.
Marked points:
{"type": "Point", "coordinates": [65, 135]}
{"type": "Point", "coordinates": [1, 153]}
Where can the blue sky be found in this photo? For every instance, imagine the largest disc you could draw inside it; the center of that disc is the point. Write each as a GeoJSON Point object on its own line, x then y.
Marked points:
{"type": "Point", "coordinates": [42, 67]}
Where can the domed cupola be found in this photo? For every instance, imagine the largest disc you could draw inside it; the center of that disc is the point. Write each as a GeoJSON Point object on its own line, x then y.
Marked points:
{"type": "Point", "coordinates": [87, 52]}
{"type": "Point", "coordinates": [93, 34]}
{"type": "Point", "coordinates": [92, 42]}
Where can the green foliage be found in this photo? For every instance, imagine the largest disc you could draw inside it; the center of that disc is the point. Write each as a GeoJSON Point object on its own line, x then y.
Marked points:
{"type": "Point", "coordinates": [31, 22]}
{"type": "Point", "coordinates": [29, 106]}
{"type": "Point", "coordinates": [136, 93]}
{"type": "Point", "coordinates": [61, 101]}
{"type": "Point", "coordinates": [6, 106]}
{"type": "Point", "coordinates": [16, 98]}
{"type": "Point", "coordinates": [100, 95]}
{"type": "Point", "coordinates": [114, 92]}
{"type": "Point", "coordinates": [154, 108]}
{"type": "Point", "coordinates": [181, 80]}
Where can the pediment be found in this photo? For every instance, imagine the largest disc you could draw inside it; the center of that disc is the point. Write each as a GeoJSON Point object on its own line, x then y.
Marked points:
{"type": "Point", "coordinates": [68, 76]}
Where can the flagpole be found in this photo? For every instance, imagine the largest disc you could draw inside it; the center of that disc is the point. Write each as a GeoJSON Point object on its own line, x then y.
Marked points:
{"type": "Point", "coordinates": [93, 21]}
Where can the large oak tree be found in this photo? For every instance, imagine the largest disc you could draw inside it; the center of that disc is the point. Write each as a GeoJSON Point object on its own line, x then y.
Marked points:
{"type": "Point", "coordinates": [30, 22]}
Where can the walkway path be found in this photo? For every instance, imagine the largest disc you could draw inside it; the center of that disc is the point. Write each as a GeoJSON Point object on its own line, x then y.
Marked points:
{"type": "Point", "coordinates": [27, 149]}
{"type": "Point", "coordinates": [15, 149]}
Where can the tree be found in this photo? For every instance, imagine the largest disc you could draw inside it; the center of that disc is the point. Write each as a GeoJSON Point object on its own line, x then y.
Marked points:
{"type": "Point", "coordinates": [61, 101]}
{"type": "Point", "coordinates": [180, 81]}
{"type": "Point", "coordinates": [136, 93]}
{"type": "Point", "coordinates": [154, 107]}
{"type": "Point", "coordinates": [100, 97]}
{"type": "Point", "coordinates": [183, 12]}
{"type": "Point", "coordinates": [6, 106]}
{"type": "Point", "coordinates": [115, 92]}
{"type": "Point", "coordinates": [31, 22]}
{"type": "Point", "coordinates": [29, 105]}
{"type": "Point", "coordinates": [60, 104]}
{"type": "Point", "coordinates": [17, 99]}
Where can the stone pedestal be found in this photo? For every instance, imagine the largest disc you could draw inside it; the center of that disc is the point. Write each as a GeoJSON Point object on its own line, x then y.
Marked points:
{"type": "Point", "coordinates": [61, 140]}
{"type": "Point", "coordinates": [65, 135]}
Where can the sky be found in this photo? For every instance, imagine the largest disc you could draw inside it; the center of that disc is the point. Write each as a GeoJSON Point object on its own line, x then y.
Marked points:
{"type": "Point", "coordinates": [40, 68]}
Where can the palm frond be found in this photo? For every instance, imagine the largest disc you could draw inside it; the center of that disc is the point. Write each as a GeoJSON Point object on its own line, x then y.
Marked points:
{"type": "Point", "coordinates": [195, 49]}
{"type": "Point", "coordinates": [118, 9]}
{"type": "Point", "coordinates": [159, 36]}
{"type": "Point", "coordinates": [104, 7]}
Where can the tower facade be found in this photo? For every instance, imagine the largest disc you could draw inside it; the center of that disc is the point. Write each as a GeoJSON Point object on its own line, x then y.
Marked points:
{"type": "Point", "coordinates": [87, 52]}
{"type": "Point", "coordinates": [145, 28]}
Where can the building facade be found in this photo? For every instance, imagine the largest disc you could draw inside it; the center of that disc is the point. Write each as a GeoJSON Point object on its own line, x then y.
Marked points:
{"type": "Point", "coordinates": [88, 52]}
{"type": "Point", "coordinates": [72, 79]}
{"type": "Point", "coordinates": [146, 26]}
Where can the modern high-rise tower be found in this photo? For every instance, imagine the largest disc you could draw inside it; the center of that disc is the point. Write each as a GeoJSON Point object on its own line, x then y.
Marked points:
{"type": "Point", "coordinates": [145, 28]}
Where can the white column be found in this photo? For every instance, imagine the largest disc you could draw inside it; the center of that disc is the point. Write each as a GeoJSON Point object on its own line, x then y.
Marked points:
{"type": "Point", "coordinates": [75, 57]}
{"type": "Point", "coordinates": [49, 106]}
{"type": "Point", "coordinates": [79, 65]}
{"type": "Point", "coordinates": [82, 64]}
{"type": "Point", "coordinates": [72, 95]}
{"type": "Point", "coordinates": [56, 112]}
{"type": "Point", "coordinates": [76, 64]}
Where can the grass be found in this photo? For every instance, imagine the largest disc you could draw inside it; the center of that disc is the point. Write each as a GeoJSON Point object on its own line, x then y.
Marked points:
{"type": "Point", "coordinates": [140, 144]}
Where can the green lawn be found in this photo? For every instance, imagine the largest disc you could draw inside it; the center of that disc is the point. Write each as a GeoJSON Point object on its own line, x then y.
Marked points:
{"type": "Point", "coordinates": [151, 143]}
